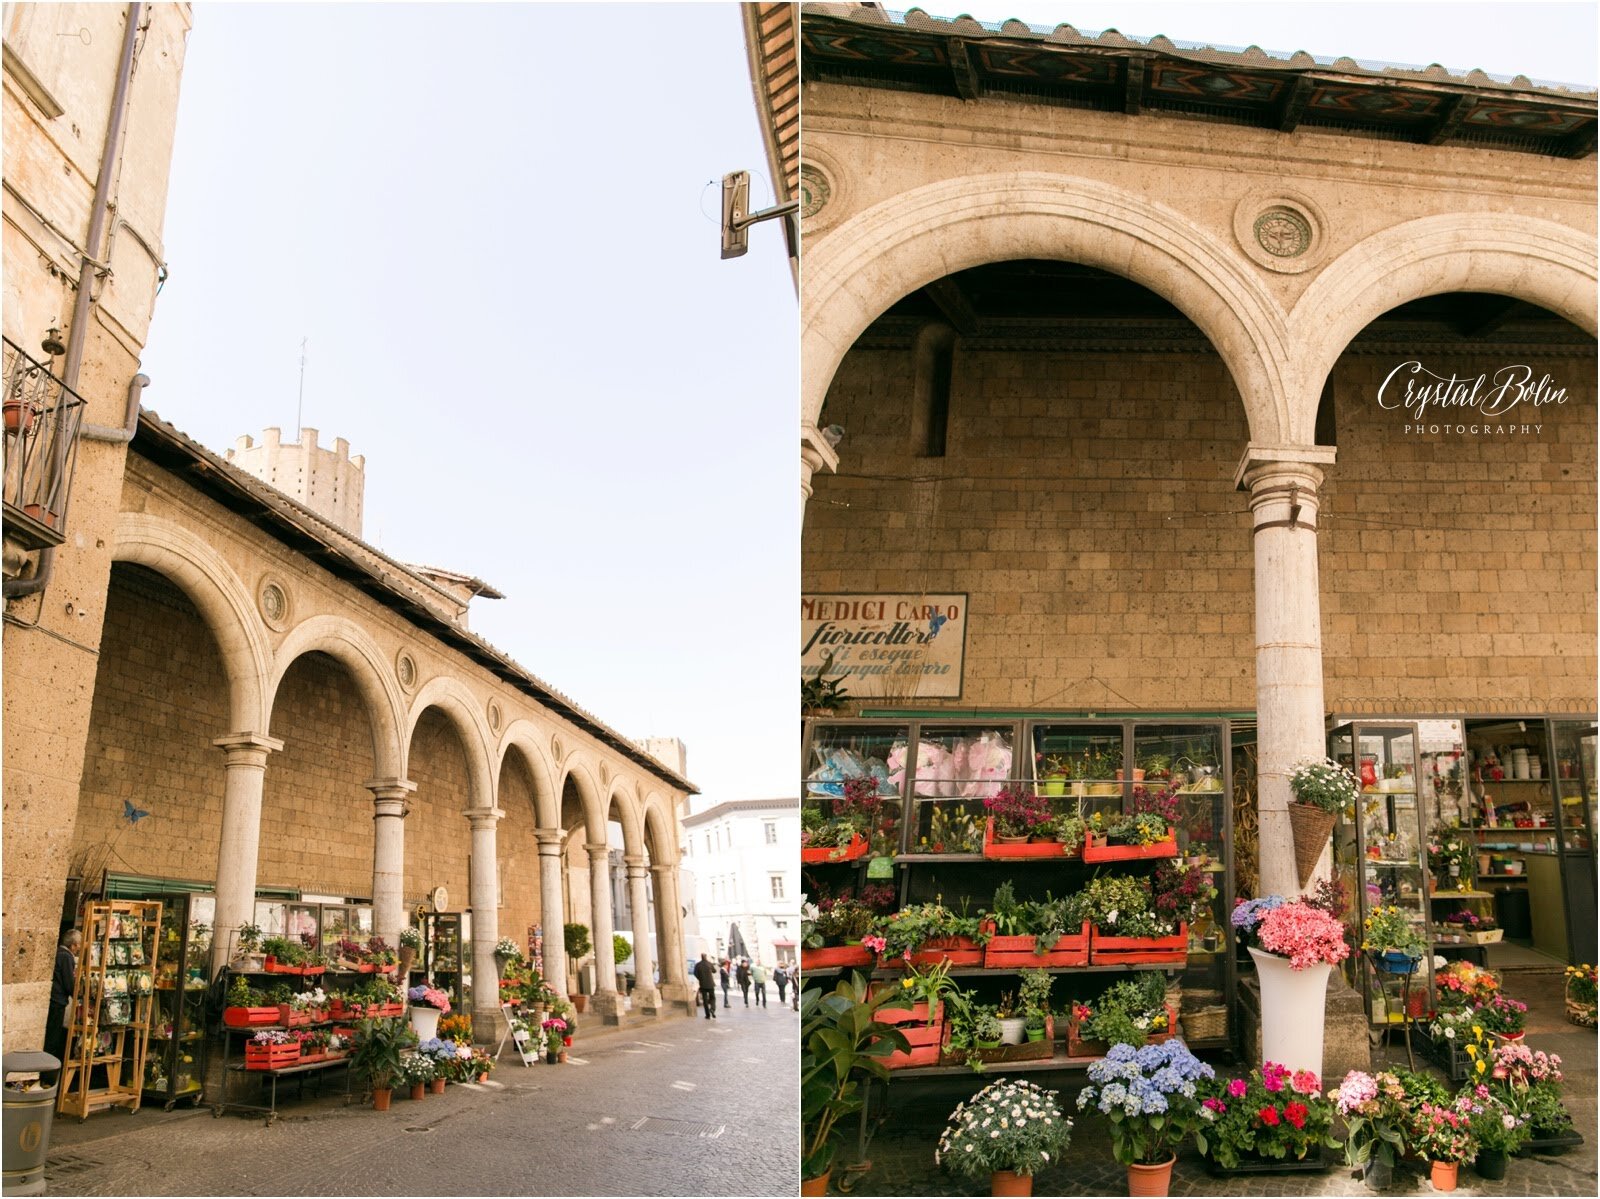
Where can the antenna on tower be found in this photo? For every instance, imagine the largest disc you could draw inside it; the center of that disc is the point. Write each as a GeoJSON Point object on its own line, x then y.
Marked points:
{"type": "Point", "coordinates": [300, 405]}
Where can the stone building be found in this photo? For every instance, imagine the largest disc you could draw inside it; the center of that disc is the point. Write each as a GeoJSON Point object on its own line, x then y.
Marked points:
{"type": "Point", "coordinates": [212, 684]}
{"type": "Point", "coordinates": [742, 856]}
{"type": "Point", "coordinates": [1112, 339]}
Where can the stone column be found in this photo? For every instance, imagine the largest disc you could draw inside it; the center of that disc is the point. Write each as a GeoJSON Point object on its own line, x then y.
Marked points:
{"type": "Point", "coordinates": [605, 965]}
{"type": "Point", "coordinates": [644, 958]}
{"type": "Point", "coordinates": [389, 809]}
{"type": "Point", "coordinates": [240, 844]}
{"type": "Point", "coordinates": [552, 910]}
{"type": "Point", "coordinates": [1283, 483]}
{"type": "Point", "coordinates": [675, 986]}
{"type": "Point", "coordinates": [488, 1021]}
{"type": "Point", "coordinates": [816, 453]}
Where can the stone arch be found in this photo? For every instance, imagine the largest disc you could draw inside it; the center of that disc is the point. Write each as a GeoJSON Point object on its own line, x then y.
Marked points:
{"type": "Point", "coordinates": [354, 649]}
{"type": "Point", "coordinates": [660, 840]}
{"type": "Point", "coordinates": [588, 787]}
{"type": "Point", "coordinates": [626, 809]}
{"type": "Point", "coordinates": [877, 256]}
{"type": "Point", "coordinates": [1528, 259]}
{"type": "Point", "coordinates": [222, 599]}
{"type": "Point", "coordinates": [524, 737]}
{"type": "Point", "coordinates": [462, 709]}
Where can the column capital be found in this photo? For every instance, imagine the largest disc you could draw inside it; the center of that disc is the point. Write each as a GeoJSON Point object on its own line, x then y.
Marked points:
{"type": "Point", "coordinates": [630, 860]}
{"type": "Point", "coordinates": [246, 747]}
{"type": "Point", "coordinates": [597, 851]}
{"type": "Point", "coordinates": [1261, 461]}
{"type": "Point", "coordinates": [660, 868]}
{"type": "Point", "coordinates": [484, 818]}
{"type": "Point", "coordinates": [549, 839]}
{"type": "Point", "coordinates": [395, 788]}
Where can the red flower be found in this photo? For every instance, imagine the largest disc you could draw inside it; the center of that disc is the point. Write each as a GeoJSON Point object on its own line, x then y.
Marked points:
{"type": "Point", "coordinates": [1269, 1116]}
{"type": "Point", "coordinates": [1296, 1114]}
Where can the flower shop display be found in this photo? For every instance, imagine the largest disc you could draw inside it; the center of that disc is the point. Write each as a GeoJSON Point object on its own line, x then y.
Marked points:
{"type": "Point", "coordinates": [1452, 859]}
{"type": "Point", "coordinates": [443, 1054]}
{"type": "Point", "coordinates": [1015, 813]}
{"type": "Point", "coordinates": [928, 933]}
{"type": "Point", "coordinates": [842, 1045]}
{"type": "Point", "coordinates": [1124, 925]}
{"type": "Point", "coordinates": [917, 1010]}
{"type": "Point", "coordinates": [1468, 926]}
{"type": "Point", "coordinates": [1130, 1011]}
{"type": "Point", "coordinates": [1007, 1132]}
{"type": "Point", "coordinates": [844, 835]}
{"type": "Point", "coordinates": [833, 932]}
{"type": "Point", "coordinates": [1463, 984]}
{"type": "Point", "coordinates": [1132, 836]}
{"type": "Point", "coordinates": [1150, 1097]}
{"type": "Point", "coordinates": [1580, 994]}
{"type": "Point", "coordinates": [1376, 1112]}
{"type": "Point", "coordinates": [1048, 932]}
{"type": "Point", "coordinates": [1443, 1136]}
{"type": "Point", "coordinates": [1393, 940]}
{"type": "Point", "coordinates": [246, 1005]}
{"type": "Point", "coordinates": [1528, 1082]}
{"type": "Point", "coordinates": [1034, 998]}
{"type": "Point", "coordinates": [952, 829]}
{"type": "Point", "coordinates": [1294, 946]}
{"type": "Point", "coordinates": [1321, 791]}
{"type": "Point", "coordinates": [271, 1049]}
{"type": "Point", "coordinates": [1272, 1119]}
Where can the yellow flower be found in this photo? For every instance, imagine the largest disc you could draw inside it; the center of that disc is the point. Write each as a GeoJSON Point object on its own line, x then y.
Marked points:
{"type": "Point", "coordinates": [905, 983]}
{"type": "Point", "coordinates": [1477, 1030]}
{"type": "Point", "coordinates": [1472, 1051]}
{"type": "Point", "coordinates": [1482, 1066]}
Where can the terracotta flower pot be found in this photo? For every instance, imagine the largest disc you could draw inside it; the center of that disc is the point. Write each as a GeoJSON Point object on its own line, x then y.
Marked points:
{"type": "Point", "coordinates": [817, 1185]}
{"type": "Point", "coordinates": [1008, 1182]}
{"type": "Point", "coordinates": [436, 1086]}
{"type": "Point", "coordinates": [381, 1097]}
{"type": "Point", "coordinates": [580, 1003]}
{"type": "Point", "coordinates": [1150, 1180]}
{"type": "Point", "coordinates": [418, 1090]}
{"type": "Point", "coordinates": [1443, 1175]}
{"type": "Point", "coordinates": [484, 1077]}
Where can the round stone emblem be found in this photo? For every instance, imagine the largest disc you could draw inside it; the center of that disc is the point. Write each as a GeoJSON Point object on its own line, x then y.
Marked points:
{"type": "Point", "coordinates": [494, 716]}
{"type": "Point", "coordinates": [815, 190]}
{"type": "Point", "coordinates": [1283, 233]}
{"type": "Point", "coordinates": [405, 669]}
{"type": "Point", "coordinates": [272, 601]}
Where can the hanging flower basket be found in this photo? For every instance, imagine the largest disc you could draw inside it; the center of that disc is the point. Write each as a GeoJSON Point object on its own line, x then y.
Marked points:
{"type": "Point", "coordinates": [1312, 827]}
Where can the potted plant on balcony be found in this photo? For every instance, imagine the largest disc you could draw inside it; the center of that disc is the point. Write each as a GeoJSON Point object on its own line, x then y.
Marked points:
{"type": "Point", "coordinates": [1294, 946]}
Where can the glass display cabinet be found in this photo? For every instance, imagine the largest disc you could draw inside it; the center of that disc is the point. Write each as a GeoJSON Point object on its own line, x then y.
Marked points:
{"type": "Point", "coordinates": [1574, 743]}
{"type": "Point", "coordinates": [445, 960]}
{"type": "Point", "coordinates": [1380, 854]}
{"type": "Point", "coordinates": [175, 1064]}
{"type": "Point", "coordinates": [838, 752]}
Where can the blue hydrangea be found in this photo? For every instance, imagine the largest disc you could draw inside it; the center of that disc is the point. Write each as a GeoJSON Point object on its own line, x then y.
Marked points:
{"type": "Point", "coordinates": [1249, 913]}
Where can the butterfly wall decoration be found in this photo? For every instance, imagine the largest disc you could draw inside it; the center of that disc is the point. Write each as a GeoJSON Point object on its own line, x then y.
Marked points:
{"type": "Point", "coordinates": [132, 814]}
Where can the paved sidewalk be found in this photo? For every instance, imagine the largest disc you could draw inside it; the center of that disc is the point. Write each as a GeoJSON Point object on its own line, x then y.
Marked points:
{"type": "Point", "coordinates": [681, 1107]}
{"type": "Point", "coordinates": [901, 1150]}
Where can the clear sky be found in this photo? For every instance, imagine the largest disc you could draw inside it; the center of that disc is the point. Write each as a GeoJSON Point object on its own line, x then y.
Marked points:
{"type": "Point", "coordinates": [1544, 41]}
{"type": "Point", "coordinates": [490, 221]}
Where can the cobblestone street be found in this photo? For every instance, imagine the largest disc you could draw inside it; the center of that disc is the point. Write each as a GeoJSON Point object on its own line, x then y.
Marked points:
{"type": "Point", "coordinates": [901, 1151]}
{"type": "Point", "coordinates": [686, 1107]}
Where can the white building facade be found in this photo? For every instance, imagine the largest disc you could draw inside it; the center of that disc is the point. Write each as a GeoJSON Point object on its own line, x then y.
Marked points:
{"type": "Point", "coordinates": [742, 856]}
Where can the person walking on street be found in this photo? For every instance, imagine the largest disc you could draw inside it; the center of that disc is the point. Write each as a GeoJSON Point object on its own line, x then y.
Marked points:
{"type": "Point", "coordinates": [725, 965]}
{"type": "Point", "coordinates": [706, 975]}
{"type": "Point", "coordinates": [758, 975]}
{"type": "Point", "coordinates": [61, 985]}
{"type": "Point", "coordinates": [742, 974]}
{"type": "Point", "coordinates": [781, 977]}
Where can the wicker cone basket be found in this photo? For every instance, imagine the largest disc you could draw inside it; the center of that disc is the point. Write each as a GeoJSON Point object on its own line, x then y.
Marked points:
{"type": "Point", "coordinates": [1311, 827]}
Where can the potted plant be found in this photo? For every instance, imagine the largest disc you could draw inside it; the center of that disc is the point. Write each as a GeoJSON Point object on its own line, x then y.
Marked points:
{"type": "Point", "coordinates": [1321, 791]}
{"type": "Point", "coordinates": [379, 1045]}
{"type": "Point", "coordinates": [249, 957]}
{"type": "Point", "coordinates": [1295, 946]}
{"type": "Point", "coordinates": [821, 695]}
{"type": "Point", "coordinates": [575, 937]}
{"type": "Point", "coordinates": [1054, 772]}
{"type": "Point", "coordinates": [410, 947]}
{"type": "Point", "coordinates": [1393, 941]}
{"type": "Point", "coordinates": [1131, 1011]}
{"type": "Point", "coordinates": [1013, 1019]}
{"type": "Point", "coordinates": [555, 1034]}
{"type": "Point", "coordinates": [1006, 1133]}
{"type": "Point", "coordinates": [1376, 1113]}
{"type": "Point", "coordinates": [918, 1011]}
{"type": "Point", "coordinates": [246, 1005]}
{"type": "Point", "coordinates": [1039, 933]}
{"type": "Point", "coordinates": [953, 829]}
{"type": "Point", "coordinates": [837, 932]}
{"type": "Point", "coordinates": [1444, 1138]}
{"type": "Point", "coordinates": [1034, 997]}
{"type": "Point", "coordinates": [928, 933]}
{"type": "Point", "coordinates": [842, 1044]}
{"type": "Point", "coordinates": [1148, 1096]}
{"type": "Point", "coordinates": [1498, 1131]}
{"type": "Point", "coordinates": [1505, 1018]}
{"type": "Point", "coordinates": [1120, 911]}
{"type": "Point", "coordinates": [1016, 814]}
{"type": "Point", "coordinates": [1580, 994]}
{"type": "Point", "coordinates": [987, 1031]}
{"type": "Point", "coordinates": [1273, 1118]}
{"type": "Point", "coordinates": [427, 1005]}
{"type": "Point", "coordinates": [416, 1072]}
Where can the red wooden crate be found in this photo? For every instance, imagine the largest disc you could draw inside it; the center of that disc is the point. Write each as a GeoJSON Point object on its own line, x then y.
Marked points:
{"type": "Point", "coordinates": [833, 853]}
{"type": "Point", "coordinates": [1080, 1048]}
{"type": "Point", "coordinates": [1012, 953]}
{"type": "Point", "coordinates": [1106, 950]}
{"type": "Point", "coordinates": [247, 1017]}
{"type": "Point", "coordinates": [835, 956]}
{"type": "Point", "coordinates": [271, 1057]}
{"type": "Point", "coordinates": [1095, 849]}
{"type": "Point", "coordinates": [926, 1041]}
{"type": "Point", "coordinates": [290, 1018]}
{"type": "Point", "coordinates": [916, 1013]}
{"type": "Point", "coordinates": [958, 951]}
{"type": "Point", "coordinates": [1030, 849]}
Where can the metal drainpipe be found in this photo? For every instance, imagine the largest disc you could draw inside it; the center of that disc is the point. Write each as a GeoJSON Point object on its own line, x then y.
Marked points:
{"type": "Point", "coordinates": [78, 334]}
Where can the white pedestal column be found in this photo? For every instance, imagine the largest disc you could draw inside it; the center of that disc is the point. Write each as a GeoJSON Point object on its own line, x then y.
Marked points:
{"type": "Point", "coordinates": [488, 1021]}
{"type": "Point", "coordinates": [552, 909]}
{"type": "Point", "coordinates": [240, 843]}
{"type": "Point", "coordinates": [645, 994]}
{"type": "Point", "coordinates": [390, 805]}
{"type": "Point", "coordinates": [605, 965]}
{"type": "Point", "coordinates": [1283, 485]}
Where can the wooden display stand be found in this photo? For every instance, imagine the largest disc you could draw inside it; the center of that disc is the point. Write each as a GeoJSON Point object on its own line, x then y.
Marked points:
{"type": "Point", "coordinates": [112, 1000]}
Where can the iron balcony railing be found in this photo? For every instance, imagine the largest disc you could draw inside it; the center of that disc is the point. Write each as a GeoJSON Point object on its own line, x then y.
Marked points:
{"type": "Point", "coordinates": [43, 417]}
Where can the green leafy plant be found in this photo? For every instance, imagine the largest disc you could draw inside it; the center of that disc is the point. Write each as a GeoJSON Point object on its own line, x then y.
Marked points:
{"type": "Point", "coordinates": [1034, 993]}
{"type": "Point", "coordinates": [621, 948]}
{"type": "Point", "coordinates": [842, 1046]}
{"type": "Point", "coordinates": [576, 939]}
{"type": "Point", "coordinates": [1128, 1011]}
{"type": "Point", "coordinates": [952, 829]}
{"type": "Point", "coordinates": [1389, 930]}
{"type": "Point", "coordinates": [1065, 827]}
{"type": "Point", "coordinates": [1271, 1114]}
{"type": "Point", "coordinates": [378, 1050]}
{"type": "Point", "coordinates": [822, 691]}
{"type": "Point", "coordinates": [249, 938]}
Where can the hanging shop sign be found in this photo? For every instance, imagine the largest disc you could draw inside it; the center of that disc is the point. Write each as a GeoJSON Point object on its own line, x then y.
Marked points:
{"type": "Point", "coordinates": [909, 645]}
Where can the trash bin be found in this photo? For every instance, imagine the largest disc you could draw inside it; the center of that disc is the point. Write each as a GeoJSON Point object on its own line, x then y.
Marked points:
{"type": "Point", "coordinates": [26, 1116]}
{"type": "Point", "coordinates": [1512, 912]}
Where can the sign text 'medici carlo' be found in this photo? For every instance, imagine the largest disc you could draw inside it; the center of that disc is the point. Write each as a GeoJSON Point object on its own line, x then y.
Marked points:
{"type": "Point", "coordinates": [885, 645]}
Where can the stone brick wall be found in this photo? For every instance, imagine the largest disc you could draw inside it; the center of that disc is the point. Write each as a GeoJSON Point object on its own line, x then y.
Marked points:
{"type": "Point", "coordinates": [518, 851]}
{"type": "Point", "coordinates": [1086, 504]}
{"type": "Point", "coordinates": [438, 837]}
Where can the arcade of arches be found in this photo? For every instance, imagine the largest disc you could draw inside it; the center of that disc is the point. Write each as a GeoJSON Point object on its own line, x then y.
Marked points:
{"type": "Point", "coordinates": [1113, 371]}
{"type": "Point", "coordinates": [291, 731]}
